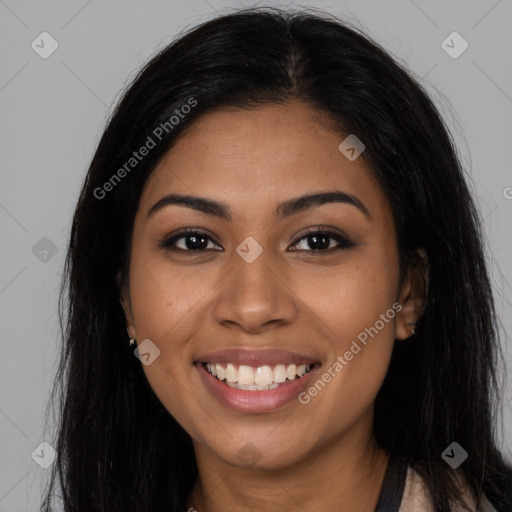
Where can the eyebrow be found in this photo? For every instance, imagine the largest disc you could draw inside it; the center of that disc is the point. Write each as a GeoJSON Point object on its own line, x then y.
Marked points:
{"type": "Point", "coordinates": [283, 210]}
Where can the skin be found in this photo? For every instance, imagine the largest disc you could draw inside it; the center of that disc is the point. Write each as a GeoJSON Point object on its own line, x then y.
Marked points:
{"type": "Point", "coordinates": [315, 457]}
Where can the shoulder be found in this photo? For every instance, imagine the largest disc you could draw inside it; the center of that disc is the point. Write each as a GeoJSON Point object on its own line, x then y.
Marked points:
{"type": "Point", "coordinates": [415, 497]}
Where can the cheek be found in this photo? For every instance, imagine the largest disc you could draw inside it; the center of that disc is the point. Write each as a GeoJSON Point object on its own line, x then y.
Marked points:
{"type": "Point", "coordinates": [163, 295]}
{"type": "Point", "coordinates": [171, 385]}
{"type": "Point", "coordinates": [165, 302]}
{"type": "Point", "coordinates": [353, 305]}
{"type": "Point", "coordinates": [352, 297]}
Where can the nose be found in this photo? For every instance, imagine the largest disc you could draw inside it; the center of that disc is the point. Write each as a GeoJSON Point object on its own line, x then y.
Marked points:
{"type": "Point", "coordinates": [255, 297]}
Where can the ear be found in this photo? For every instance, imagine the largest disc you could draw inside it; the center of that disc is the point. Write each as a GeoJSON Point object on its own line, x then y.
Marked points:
{"type": "Point", "coordinates": [124, 299]}
{"type": "Point", "coordinates": [413, 295]}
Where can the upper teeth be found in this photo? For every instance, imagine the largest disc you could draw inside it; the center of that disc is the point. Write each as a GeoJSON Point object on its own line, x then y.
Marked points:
{"type": "Point", "coordinates": [262, 375]}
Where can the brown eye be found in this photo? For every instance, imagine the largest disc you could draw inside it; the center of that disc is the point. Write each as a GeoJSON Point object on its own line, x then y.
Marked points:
{"type": "Point", "coordinates": [193, 241]}
{"type": "Point", "coordinates": [320, 241]}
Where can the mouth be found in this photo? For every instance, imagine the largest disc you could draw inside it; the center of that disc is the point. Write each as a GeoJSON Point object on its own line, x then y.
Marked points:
{"type": "Point", "coordinates": [260, 378]}
{"type": "Point", "coordinates": [256, 381]}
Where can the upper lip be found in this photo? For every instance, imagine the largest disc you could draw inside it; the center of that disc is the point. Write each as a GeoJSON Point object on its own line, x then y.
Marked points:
{"type": "Point", "coordinates": [260, 357]}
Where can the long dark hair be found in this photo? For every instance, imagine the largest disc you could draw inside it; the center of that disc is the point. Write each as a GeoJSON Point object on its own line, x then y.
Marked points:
{"type": "Point", "coordinates": [118, 447]}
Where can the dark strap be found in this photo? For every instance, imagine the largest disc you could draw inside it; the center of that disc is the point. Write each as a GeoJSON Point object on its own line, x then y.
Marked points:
{"type": "Point", "coordinates": [393, 486]}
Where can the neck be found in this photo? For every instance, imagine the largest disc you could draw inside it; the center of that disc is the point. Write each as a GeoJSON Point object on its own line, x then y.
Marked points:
{"type": "Point", "coordinates": [344, 475]}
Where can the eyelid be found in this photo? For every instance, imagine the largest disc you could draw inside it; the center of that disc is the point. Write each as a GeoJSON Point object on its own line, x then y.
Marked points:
{"type": "Point", "coordinates": [324, 229]}
{"type": "Point", "coordinates": [167, 241]}
{"type": "Point", "coordinates": [344, 241]}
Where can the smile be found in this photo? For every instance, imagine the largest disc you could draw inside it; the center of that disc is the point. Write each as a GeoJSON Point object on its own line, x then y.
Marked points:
{"type": "Point", "coordinates": [256, 380]}
{"type": "Point", "coordinates": [260, 378]}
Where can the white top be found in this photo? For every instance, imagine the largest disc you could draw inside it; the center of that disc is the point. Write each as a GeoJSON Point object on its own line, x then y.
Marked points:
{"type": "Point", "coordinates": [415, 497]}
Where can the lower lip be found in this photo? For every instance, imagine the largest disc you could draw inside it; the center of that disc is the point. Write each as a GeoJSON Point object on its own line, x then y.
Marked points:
{"type": "Point", "coordinates": [255, 401]}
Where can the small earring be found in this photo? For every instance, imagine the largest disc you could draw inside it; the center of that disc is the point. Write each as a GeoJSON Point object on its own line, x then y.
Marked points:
{"type": "Point", "coordinates": [132, 342]}
{"type": "Point", "coordinates": [410, 332]}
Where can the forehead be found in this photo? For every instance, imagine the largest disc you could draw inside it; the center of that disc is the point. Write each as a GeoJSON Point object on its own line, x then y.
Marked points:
{"type": "Point", "coordinates": [259, 157]}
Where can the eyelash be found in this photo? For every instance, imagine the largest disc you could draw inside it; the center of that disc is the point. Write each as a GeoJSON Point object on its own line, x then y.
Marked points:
{"type": "Point", "coordinates": [344, 242]}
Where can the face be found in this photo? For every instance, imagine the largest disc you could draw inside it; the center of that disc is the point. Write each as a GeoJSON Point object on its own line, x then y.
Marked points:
{"type": "Point", "coordinates": [262, 283]}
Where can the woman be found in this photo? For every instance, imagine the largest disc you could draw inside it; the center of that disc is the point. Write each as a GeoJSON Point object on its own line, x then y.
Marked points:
{"type": "Point", "coordinates": [278, 296]}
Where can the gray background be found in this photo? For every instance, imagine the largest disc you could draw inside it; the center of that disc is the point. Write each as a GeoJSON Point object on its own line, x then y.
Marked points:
{"type": "Point", "coordinates": [53, 112]}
